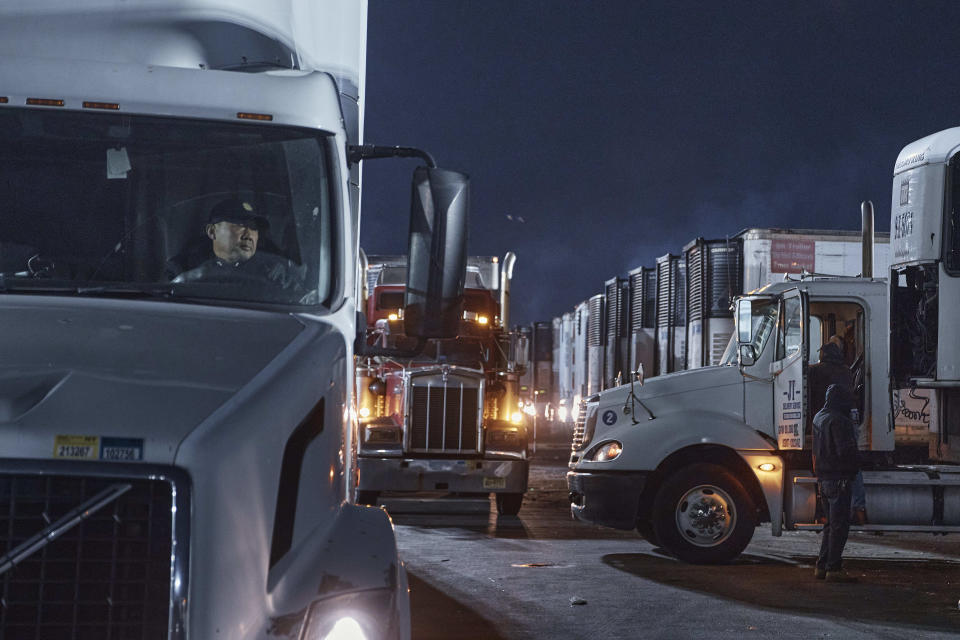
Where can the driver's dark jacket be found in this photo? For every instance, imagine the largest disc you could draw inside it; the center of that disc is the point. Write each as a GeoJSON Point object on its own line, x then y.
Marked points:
{"type": "Point", "coordinates": [266, 266]}
{"type": "Point", "coordinates": [835, 452]}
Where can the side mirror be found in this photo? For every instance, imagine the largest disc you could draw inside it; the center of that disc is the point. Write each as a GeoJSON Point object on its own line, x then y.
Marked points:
{"type": "Point", "coordinates": [748, 357]}
{"type": "Point", "coordinates": [437, 262]}
{"type": "Point", "coordinates": [517, 347]}
{"type": "Point", "coordinates": [744, 321]}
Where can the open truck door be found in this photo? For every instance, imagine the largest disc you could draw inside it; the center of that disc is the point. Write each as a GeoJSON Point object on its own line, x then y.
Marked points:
{"type": "Point", "coordinates": [789, 369]}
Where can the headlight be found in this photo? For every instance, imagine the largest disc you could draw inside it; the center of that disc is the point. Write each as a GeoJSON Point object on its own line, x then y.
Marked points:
{"type": "Point", "coordinates": [607, 452]}
{"type": "Point", "coordinates": [360, 616]}
{"type": "Point", "coordinates": [562, 412]}
{"type": "Point", "coordinates": [530, 410]}
{"type": "Point", "coordinates": [364, 412]}
{"type": "Point", "coordinates": [516, 417]}
{"type": "Point", "coordinates": [346, 628]}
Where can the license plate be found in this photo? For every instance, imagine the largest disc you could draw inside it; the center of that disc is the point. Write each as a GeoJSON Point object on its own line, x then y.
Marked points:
{"type": "Point", "coordinates": [494, 483]}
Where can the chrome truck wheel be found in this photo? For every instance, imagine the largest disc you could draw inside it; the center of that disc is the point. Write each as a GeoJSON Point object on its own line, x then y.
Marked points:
{"type": "Point", "coordinates": [706, 515]}
{"type": "Point", "coordinates": [703, 514]}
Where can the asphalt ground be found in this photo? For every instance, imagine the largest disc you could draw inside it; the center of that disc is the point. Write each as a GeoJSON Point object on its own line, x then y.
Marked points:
{"type": "Point", "coordinates": [543, 575]}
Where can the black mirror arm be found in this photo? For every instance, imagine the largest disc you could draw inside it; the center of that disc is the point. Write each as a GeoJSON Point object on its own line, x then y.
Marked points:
{"type": "Point", "coordinates": [358, 152]}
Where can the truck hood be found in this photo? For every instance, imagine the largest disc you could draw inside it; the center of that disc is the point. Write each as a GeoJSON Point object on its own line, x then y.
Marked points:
{"type": "Point", "coordinates": [716, 389]}
{"type": "Point", "coordinates": [133, 377]}
{"type": "Point", "coordinates": [687, 381]}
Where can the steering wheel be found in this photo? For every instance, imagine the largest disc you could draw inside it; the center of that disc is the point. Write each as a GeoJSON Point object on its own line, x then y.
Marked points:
{"type": "Point", "coordinates": [39, 266]}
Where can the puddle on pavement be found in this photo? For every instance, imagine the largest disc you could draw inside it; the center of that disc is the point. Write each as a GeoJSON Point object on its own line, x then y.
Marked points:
{"type": "Point", "coordinates": [921, 594]}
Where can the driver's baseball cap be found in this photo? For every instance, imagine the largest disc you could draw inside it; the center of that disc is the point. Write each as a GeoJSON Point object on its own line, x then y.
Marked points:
{"type": "Point", "coordinates": [238, 212]}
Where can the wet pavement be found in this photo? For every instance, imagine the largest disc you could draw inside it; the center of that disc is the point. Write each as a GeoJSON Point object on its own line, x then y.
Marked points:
{"type": "Point", "coordinates": [476, 575]}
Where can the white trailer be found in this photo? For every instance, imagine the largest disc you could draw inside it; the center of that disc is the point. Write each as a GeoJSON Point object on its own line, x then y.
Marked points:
{"type": "Point", "coordinates": [565, 362]}
{"type": "Point", "coordinates": [581, 319]}
{"type": "Point", "coordinates": [176, 430]}
{"type": "Point", "coordinates": [719, 270]}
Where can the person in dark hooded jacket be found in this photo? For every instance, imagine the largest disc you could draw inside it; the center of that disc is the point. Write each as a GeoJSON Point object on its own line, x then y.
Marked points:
{"type": "Point", "coordinates": [835, 463]}
{"type": "Point", "coordinates": [833, 369]}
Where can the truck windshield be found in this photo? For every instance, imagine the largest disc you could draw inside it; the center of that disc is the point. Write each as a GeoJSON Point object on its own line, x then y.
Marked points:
{"type": "Point", "coordinates": [106, 204]}
{"type": "Point", "coordinates": [764, 320]}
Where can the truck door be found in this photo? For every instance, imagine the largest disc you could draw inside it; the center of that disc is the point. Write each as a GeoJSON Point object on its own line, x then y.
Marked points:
{"type": "Point", "coordinates": [789, 369]}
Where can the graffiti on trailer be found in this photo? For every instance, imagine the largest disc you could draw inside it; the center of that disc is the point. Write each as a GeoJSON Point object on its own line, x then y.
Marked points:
{"type": "Point", "coordinates": [914, 413]}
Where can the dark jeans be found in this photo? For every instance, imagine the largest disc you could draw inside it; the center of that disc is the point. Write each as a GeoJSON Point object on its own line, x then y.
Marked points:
{"type": "Point", "coordinates": [836, 496]}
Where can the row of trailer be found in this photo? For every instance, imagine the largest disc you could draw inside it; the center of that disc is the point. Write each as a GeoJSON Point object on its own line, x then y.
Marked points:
{"type": "Point", "coordinates": [675, 313]}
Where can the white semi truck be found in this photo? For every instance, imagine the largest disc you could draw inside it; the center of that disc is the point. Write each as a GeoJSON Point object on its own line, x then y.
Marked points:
{"type": "Point", "coordinates": [176, 426]}
{"type": "Point", "coordinates": [695, 460]}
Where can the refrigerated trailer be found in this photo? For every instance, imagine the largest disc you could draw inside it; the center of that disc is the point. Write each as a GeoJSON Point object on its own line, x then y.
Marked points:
{"type": "Point", "coordinates": [925, 283]}
{"type": "Point", "coordinates": [564, 363]}
{"type": "Point", "coordinates": [671, 310]}
{"type": "Point", "coordinates": [615, 332]}
{"type": "Point", "coordinates": [715, 278]}
{"type": "Point", "coordinates": [643, 319]}
{"type": "Point", "coordinates": [719, 270]}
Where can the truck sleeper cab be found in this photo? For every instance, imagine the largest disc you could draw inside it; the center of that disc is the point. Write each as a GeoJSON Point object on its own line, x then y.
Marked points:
{"type": "Point", "coordinates": [696, 460]}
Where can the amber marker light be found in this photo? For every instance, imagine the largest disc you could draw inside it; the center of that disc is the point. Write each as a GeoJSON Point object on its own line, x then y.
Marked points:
{"type": "Point", "coordinates": [767, 466]}
{"type": "Point", "coordinates": [255, 116]}
{"type": "Point", "coordinates": [111, 106]}
{"type": "Point", "coordinates": [45, 102]}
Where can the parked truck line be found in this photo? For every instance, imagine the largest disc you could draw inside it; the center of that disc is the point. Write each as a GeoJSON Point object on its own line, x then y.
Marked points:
{"type": "Point", "coordinates": [696, 459]}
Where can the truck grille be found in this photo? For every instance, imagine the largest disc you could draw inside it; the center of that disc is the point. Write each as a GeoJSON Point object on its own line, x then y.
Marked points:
{"type": "Point", "coordinates": [107, 577]}
{"type": "Point", "coordinates": [579, 428]}
{"type": "Point", "coordinates": [444, 415]}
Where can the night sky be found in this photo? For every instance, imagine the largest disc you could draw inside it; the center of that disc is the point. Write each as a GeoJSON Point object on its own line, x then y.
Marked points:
{"type": "Point", "coordinates": [619, 131]}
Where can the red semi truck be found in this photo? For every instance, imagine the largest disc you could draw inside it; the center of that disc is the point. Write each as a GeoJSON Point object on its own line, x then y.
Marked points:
{"type": "Point", "coordinates": [447, 419]}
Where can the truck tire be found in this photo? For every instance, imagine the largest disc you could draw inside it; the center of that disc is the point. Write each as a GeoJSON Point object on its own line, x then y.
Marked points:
{"type": "Point", "coordinates": [645, 529]}
{"type": "Point", "coordinates": [367, 497]}
{"type": "Point", "coordinates": [703, 515]}
{"type": "Point", "coordinates": [508, 504]}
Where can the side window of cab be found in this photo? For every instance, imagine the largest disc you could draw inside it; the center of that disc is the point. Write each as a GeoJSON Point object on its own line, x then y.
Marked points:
{"type": "Point", "coordinates": [790, 330]}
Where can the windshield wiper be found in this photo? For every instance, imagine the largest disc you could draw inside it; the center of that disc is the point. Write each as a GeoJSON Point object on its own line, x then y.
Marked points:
{"type": "Point", "coordinates": [32, 285]}
{"type": "Point", "coordinates": [126, 290]}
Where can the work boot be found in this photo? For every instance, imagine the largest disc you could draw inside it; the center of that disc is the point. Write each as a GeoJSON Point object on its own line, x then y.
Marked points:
{"type": "Point", "coordinates": [859, 517]}
{"type": "Point", "coordinates": [819, 573]}
{"type": "Point", "coordinates": [840, 576]}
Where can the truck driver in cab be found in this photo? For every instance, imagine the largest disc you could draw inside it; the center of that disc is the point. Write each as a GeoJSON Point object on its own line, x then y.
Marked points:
{"type": "Point", "coordinates": [234, 229]}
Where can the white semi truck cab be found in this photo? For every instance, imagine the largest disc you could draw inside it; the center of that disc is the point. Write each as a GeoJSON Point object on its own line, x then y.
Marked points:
{"type": "Point", "coordinates": [695, 460]}
{"type": "Point", "coordinates": [176, 422]}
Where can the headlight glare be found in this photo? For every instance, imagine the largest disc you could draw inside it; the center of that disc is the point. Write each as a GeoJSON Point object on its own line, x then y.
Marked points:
{"type": "Point", "coordinates": [346, 629]}
{"type": "Point", "coordinates": [361, 616]}
{"type": "Point", "coordinates": [516, 417]}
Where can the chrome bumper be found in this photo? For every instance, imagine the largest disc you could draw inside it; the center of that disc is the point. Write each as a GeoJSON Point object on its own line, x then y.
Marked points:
{"type": "Point", "coordinates": [424, 474]}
